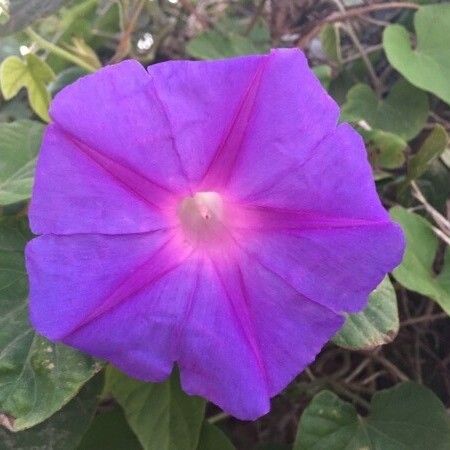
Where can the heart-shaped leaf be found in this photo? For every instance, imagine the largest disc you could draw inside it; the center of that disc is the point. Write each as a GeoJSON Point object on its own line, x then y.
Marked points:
{"type": "Point", "coordinates": [30, 73]}
{"type": "Point", "coordinates": [110, 431]}
{"type": "Point", "coordinates": [406, 417]}
{"type": "Point", "coordinates": [161, 414]}
{"type": "Point", "coordinates": [21, 13]}
{"type": "Point", "coordinates": [432, 147]}
{"type": "Point", "coordinates": [403, 112]}
{"type": "Point", "coordinates": [427, 66]}
{"type": "Point", "coordinates": [213, 438]}
{"type": "Point", "coordinates": [376, 325]}
{"type": "Point", "coordinates": [62, 431]}
{"type": "Point", "coordinates": [19, 145]}
{"type": "Point", "coordinates": [416, 270]}
{"type": "Point", "coordinates": [228, 39]}
{"type": "Point", "coordinates": [386, 150]}
{"type": "Point", "coordinates": [37, 378]}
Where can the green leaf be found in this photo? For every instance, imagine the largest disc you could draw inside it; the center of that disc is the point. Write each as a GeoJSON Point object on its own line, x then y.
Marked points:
{"type": "Point", "coordinates": [161, 414]}
{"type": "Point", "coordinates": [323, 73]}
{"type": "Point", "coordinates": [37, 377]}
{"type": "Point", "coordinates": [416, 272]}
{"type": "Point", "coordinates": [23, 12]}
{"type": "Point", "coordinates": [15, 109]}
{"type": "Point", "coordinates": [341, 83]}
{"type": "Point", "coordinates": [66, 77]}
{"type": "Point", "coordinates": [432, 147]}
{"type": "Point", "coordinates": [110, 431]}
{"type": "Point", "coordinates": [213, 438]}
{"type": "Point", "coordinates": [435, 186]}
{"type": "Point", "coordinates": [403, 112]}
{"type": "Point", "coordinates": [386, 150]}
{"type": "Point", "coordinates": [376, 325]}
{"type": "Point", "coordinates": [227, 40]}
{"type": "Point", "coordinates": [428, 65]}
{"type": "Point", "coordinates": [273, 447]}
{"type": "Point", "coordinates": [328, 423]}
{"type": "Point", "coordinates": [406, 417]}
{"type": "Point", "coordinates": [62, 431]}
{"type": "Point", "coordinates": [19, 145]}
{"type": "Point", "coordinates": [31, 73]}
{"type": "Point", "coordinates": [445, 156]}
{"type": "Point", "coordinates": [331, 42]}
{"type": "Point", "coordinates": [9, 46]}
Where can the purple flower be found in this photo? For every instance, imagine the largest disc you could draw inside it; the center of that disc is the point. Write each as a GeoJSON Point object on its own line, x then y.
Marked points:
{"type": "Point", "coordinates": [209, 214]}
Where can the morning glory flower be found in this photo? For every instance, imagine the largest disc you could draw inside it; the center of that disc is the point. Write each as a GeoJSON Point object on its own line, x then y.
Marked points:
{"type": "Point", "coordinates": [212, 215]}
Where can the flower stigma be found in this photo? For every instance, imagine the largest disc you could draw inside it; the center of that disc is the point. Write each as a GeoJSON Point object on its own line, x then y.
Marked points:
{"type": "Point", "coordinates": [202, 218]}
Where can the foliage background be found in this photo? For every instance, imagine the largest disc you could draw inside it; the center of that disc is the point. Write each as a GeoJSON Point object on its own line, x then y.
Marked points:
{"type": "Point", "coordinates": [383, 383]}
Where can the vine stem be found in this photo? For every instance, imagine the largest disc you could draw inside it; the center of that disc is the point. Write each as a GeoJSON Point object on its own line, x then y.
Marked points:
{"type": "Point", "coordinates": [47, 45]}
{"type": "Point", "coordinates": [348, 28]}
{"type": "Point", "coordinates": [353, 12]}
{"type": "Point", "coordinates": [217, 418]}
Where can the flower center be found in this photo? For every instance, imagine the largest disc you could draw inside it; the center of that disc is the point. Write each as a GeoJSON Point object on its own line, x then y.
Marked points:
{"type": "Point", "coordinates": [202, 218]}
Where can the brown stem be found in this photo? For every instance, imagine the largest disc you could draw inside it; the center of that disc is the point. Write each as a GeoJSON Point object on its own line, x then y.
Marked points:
{"type": "Point", "coordinates": [390, 367]}
{"type": "Point", "coordinates": [350, 13]}
{"type": "Point", "coordinates": [125, 39]}
{"type": "Point", "coordinates": [421, 319]}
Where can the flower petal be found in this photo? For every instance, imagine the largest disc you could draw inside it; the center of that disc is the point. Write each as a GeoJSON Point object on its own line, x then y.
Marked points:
{"type": "Point", "coordinates": [323, 219]}
{"type": "Point", "coordinates": [77, 192]}
{"type": "Point", "coordinates": [248, 334]}
{"type": "Point", "coordinates": [218, 358]}
{"type": "Point", "coordinates": [202, 100]}
{"type": "Point", "coordinates": [219, 108]}
{"type": "Point", "coordinates": [116, 297]}
{"type": "Point", "coordinates": [117, 113]}
{"type": "Point", "coordinates": [292, 114]}
{"type": "Point", "coordinates": [291, 329]}
{"type": "Point", "coordinates": [334, 179]}
{"type": "Point", "coordinates": [336, 267]}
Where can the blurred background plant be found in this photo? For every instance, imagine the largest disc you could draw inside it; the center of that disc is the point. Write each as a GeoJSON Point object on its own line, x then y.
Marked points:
{"type": "Point", "coordinates": [383, 383]}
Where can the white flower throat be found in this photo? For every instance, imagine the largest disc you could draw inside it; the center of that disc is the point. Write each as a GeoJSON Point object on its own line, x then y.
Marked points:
{"type": "Point", "coordinates": [202, 217]}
